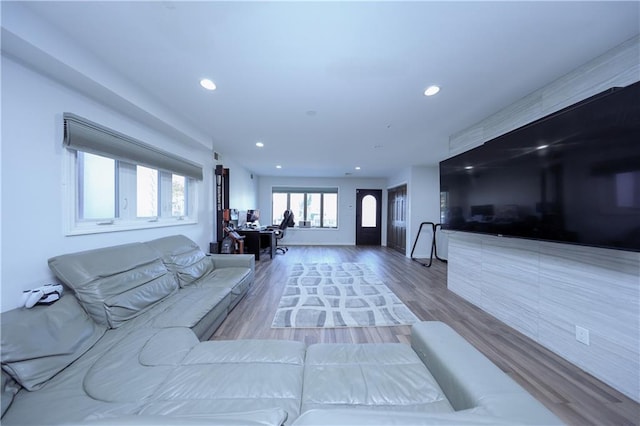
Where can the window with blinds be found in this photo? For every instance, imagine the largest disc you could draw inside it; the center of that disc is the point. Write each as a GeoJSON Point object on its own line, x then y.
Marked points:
{"type": "Point", "coordinates": [118, 183]}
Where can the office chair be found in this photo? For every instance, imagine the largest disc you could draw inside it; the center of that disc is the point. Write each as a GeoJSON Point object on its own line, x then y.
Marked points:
{"type": "Point", "coordinates": [281, 230]}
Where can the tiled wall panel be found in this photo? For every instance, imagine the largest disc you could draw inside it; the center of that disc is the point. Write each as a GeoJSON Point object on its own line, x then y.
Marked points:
{"type": "Point", "coordinates": [545, 289]}
{"type": "Point", "coordinates": [463, 277]}
{"type": "Point", "coordinates": [510, 283]}
{"type": "Point", "coordinates": [599, 290]}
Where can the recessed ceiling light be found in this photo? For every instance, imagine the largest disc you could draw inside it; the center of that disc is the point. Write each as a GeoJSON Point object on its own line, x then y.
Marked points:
{"type": "Point", "coordinates": [207, 84]}
{"type": "Point", "coordinates": [543, 147]}
{"type": "Point", "coordinates": [278, 166]}
{"type": "Point", "coordinates": [357, 167]}
{"type": "Point", "coordinates": [259, 144]}
{"type": "Point", "coordinates": [431, 90]}
{"type": "Point", "coordinates": [468, 167]}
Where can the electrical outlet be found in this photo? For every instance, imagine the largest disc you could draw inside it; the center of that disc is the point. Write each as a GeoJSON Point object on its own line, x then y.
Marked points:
{"type": "Point", "coordinates": [582, 335]}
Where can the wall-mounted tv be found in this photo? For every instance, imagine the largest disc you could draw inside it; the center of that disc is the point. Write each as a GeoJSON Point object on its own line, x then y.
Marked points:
{"type": "Point", "coordinates": [572, 177]}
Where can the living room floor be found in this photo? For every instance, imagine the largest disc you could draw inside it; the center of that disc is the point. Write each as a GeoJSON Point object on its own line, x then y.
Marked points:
{"type": "Point", "coordinates": [573, 395]}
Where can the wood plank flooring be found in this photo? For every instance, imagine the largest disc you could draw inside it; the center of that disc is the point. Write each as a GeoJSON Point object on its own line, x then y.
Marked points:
{"type": "Point", "coordinates": [573, 395]}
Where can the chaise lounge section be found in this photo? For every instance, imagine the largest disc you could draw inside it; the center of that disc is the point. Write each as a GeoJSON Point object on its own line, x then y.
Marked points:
{"type": "Point", "coordinates": [126, 348]}
{"type": "Point", "coordinates": [463, 387]}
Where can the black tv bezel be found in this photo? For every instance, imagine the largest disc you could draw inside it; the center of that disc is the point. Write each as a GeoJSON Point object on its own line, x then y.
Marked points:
{"type": "Point", "coordinates": [555, 115]}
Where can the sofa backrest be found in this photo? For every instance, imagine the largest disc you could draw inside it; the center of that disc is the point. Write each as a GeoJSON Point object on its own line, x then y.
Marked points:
{"type": "Point", "coordinates": [38, 343]}
{"type": "Point", "coordinates": [183, 257]}
{"type": "Point", "coordinates": [115, 284]}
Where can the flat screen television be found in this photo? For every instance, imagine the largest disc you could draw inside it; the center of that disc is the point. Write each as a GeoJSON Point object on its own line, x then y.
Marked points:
{"type": "Point", "coordinates": [572, 177]}
{"type": "Point", "coordinates": [253, 216]}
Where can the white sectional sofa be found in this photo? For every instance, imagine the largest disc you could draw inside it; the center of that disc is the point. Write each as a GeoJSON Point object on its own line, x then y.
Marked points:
{"type": "Point", "coordinates": [124, 347]}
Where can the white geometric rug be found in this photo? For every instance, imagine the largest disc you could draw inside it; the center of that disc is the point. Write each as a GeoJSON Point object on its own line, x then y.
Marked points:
{"type": "Point", "coordinates": [331, 295]}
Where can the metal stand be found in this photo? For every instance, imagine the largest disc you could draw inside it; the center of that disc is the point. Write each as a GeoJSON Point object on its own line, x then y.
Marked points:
{"type": "Point", "coordinates": [434, 246]}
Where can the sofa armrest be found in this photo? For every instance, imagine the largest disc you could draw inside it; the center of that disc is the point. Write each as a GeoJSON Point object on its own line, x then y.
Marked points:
{"type": "Point", "coordinates": [268, 417]}
{"type": "Point", "coordinates": [366, 416]}
{"type": "Point", "coordinates": [233, 260]}
{"type": "Point", "coordinates": [470, 380]}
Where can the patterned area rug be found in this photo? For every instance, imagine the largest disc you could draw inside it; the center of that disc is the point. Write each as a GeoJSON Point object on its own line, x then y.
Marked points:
{"type": "Point", "coordinates": [335, 295]}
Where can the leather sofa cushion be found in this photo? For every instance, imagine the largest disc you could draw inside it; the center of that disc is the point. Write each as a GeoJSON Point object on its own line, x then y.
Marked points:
{"type": "Point", "coordinates": [183, 257]}
{"type": "Point", "coordinates": [268, 417]}
{"type": "Point", "coordinates": [40, 342]}
{"type": "Point", "coordinates": [118, 375]}
{"type": "Point", "coordinates": [230, 376]}
{"type": "Point", "coordinates": [115, 284]}
{"type": "Point", "coordinates": [129, 304]}
{"type": "Point", "coordinates": [190, 305]}
{"type": "Point", "coordinates": [248, 351]}
{"type": "Point", "coordinates": [157, 350]}
{"type": "Point", "coordinates": [168, 372]}
{"type": "Point", "coordinates": [368, 417]}
{"type": "Point", "coordinates": [9, 389]}
{"type": "Point", "coordinates": [376, 376]}
{"type": "Point", "coordinates": [236, 279]}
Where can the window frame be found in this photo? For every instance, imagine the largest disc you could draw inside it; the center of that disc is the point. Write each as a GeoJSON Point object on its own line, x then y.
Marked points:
{"type": "Point", "coordinates": [125, 200]}
{"type": "Point", "coordinates": [288, 191]}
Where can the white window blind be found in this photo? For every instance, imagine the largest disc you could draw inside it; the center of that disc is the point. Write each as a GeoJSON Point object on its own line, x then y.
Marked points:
{"type": "Point", "coordinates": [84, 135]}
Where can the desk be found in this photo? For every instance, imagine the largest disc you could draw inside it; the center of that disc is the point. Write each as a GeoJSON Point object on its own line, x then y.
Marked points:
{"type": "Point", "coordinates": [255, 241]}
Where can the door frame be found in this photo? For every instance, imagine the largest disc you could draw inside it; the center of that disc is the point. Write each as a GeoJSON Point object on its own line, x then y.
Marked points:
{"type": "Point", "coordinates": [369, 235]}
{"type": "Point", "coordinates": [393, 214]}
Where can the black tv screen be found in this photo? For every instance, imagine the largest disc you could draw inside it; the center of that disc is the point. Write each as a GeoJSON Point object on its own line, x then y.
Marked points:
{"type": "Point", "coordinates": [571, 177]}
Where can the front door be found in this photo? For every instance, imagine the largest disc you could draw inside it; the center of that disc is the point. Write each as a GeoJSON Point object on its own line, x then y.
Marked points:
{"type": "Point", "coordinates": [368, 217]}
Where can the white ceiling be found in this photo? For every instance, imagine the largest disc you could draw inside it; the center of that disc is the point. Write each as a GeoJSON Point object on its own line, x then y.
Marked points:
{"type": "Point", "coordinates": [328, 86]}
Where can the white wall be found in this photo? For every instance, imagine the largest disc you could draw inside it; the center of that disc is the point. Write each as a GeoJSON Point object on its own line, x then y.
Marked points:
{"type": "Point", "coordinates": [402, 177]}
{"type": "Point", "coordinates": [43, 47]}
{"type": "Point", "coordinates": [243, 187]}
{"type": "Point", "coordinates": [32, 178]}
{"type": "Point", "coordinates": [423, 205]}
{"type": "Point", "coordinates": [545, 289]}
{"type": "Point", "coordinates": [345, 234]}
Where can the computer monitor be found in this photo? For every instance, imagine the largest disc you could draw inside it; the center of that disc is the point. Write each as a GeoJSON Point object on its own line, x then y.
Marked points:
{"type": "Point", "coordinates": [253, 216]}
